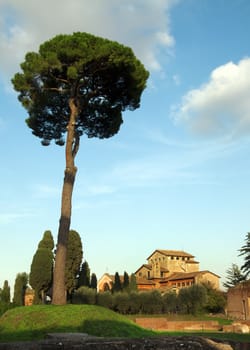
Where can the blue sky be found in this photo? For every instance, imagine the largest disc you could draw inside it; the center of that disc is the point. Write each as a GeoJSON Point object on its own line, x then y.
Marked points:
{"type": "Point", "coordinates": [176, 176]}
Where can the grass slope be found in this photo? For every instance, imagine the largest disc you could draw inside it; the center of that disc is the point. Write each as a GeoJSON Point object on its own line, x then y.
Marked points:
{"type": "Point", "coordinates": [34, 322]}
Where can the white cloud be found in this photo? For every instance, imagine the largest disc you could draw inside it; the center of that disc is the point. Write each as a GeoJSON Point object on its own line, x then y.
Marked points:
{"type": "Point", "coordinates": [222, 105]}
{"type": "Point", "coordinates": [141, 24]}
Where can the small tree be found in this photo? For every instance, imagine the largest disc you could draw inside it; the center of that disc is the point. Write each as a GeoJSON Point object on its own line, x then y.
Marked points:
{"type": "Point", "coordinates": [77, 84]}
{"type": "Point", "coordinates": [169, 301]}
{"type": "Point", "coordinates": [41, 270]}
{"type": "Point", "coordinates": [132, 283]}
{"type": "Point", "coordinates": [234, 276]}
{"type": "Point", "coordinates": [117, 286]}
{"type": "Point", "coordinates": [151, 302]}
{"type": "Point", "coordinates": [73, 262]}
{"type": "Point", "coordinates": [121, 302]}
{"type": "Point", "coordinates": [192, 300]}
{"type": "Point", "coordinates": [84, 275]}
{"type": "Point", "coordinates": [245, 252]}
{"type": "Point", "coordinates": [93, 281]}
{"type": "Point", "coordinates": [21, 283]}
{"type": "Point", "coordinates": [105, 299]}
{"type": "Point", "coordinates": [84, 295]}
{"type": "Point", "coordinates": [125, 285]}
{"type": "Point", "coordinates": [5, 293]}
{"type": "Point", "coordinates": [216, 299]}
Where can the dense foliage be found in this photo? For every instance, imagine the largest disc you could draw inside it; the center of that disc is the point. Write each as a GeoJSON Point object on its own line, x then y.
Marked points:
{"type": "Point", "coordinates": [245, 252]}
{"type": "Point", "coordinates": [233, 276]}
{"type": "Point", "coordinates": [103, 76]}
{"type": "Point", "coordinates": [20, 286]}
{"type": "Point", "coordinates": [73, 261]}
{"type": "Point", "coordinates": [5, 293]}
{"type": "Point", "coordinates": [84, 275]}
{"type": "Point", "coordinates": [193, 300]}
{"type": "Point", "coordinates": [41, 270]}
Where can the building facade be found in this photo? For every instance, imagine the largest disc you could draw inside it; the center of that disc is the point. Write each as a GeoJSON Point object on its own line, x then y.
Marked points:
{"type": "Point", "coordinates": [172, 269]}
{"type": "Point", "coordinates": [166, 270]}
{"type": "Point", "coordinates": [238, 301]}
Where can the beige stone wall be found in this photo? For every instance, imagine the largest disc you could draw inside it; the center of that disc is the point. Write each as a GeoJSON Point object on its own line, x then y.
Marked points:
{"type": "Point", "coordinates": [238, 302]}
{"type": "Point", "coordinates": [208, 277]}
{"type": "Point", "coordinates": [171, 263]}
{"type": "Point", "coordinates": [144, 273]}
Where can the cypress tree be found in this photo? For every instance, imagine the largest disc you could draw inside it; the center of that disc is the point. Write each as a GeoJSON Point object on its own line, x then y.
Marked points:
{"type": "Point", "coordinates": [41, 270]}
{"type": "Point", "coordinates": [117, 286]}
{"type": "Point", "coordinates": [132, 283]}
{"type": "Point", "coordinates": [5, 293]}
{"type": "Point", "coordinates": [93, 281]}
{"type": "Point", "coordinates": [84, 275]}
{"type": "Point", "coordinates": [21, 283]}
{"type": "Point", "coordinates": [125, 285]}
{"type": "Point", "coordinates": [73, 262]}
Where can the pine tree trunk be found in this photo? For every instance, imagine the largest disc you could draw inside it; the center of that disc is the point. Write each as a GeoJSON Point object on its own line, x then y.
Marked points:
{"type": "Point", "coordinates": [59, 296]}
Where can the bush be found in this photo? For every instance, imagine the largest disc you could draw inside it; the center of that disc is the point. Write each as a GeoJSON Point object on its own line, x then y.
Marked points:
{"type": "Point", "coordinates": [134, 303]}
{"type": "Point", "coordinates": [192, 300]}
{"type": "Point", "coordinates": [121, 302]}
{"type": "Point", "coordinates": [151, 302]}
{"type": "Point", "coordinates": [105, 299]}
{"type": "Point", "coordinates": [5, 307]}
{"type": "Point", "coordinates": [84, 295]}
{"type": "Point", "coordinates": [216, 300]}
{"type": "Point", "coordinates": [169, 301]}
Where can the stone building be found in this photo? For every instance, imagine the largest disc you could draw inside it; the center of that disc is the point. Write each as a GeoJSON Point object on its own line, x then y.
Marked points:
{"type": "Point", "coordinates": [172, 269]}
{"type": "Point", "coordinates": [238, 301]}
{"type": "Point", "coordinates": [165, 270]}
{"type": "Point", "coordinates": [29, 296]}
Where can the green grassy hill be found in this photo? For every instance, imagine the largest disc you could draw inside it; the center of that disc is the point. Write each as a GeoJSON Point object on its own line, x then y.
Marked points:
{"type": "Point", "coordinates": [34, 322]}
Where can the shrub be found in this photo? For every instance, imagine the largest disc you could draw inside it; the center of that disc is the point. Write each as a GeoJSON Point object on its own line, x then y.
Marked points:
{"type": "Point", "coordinates": [121, 302]}
{"type": "Point", "coordinates": [84, 295]}
{"type": "Point", "coordinates": [151, 302]}
{"type": "Point", "coordinates": [105, 299]}
{"type": "Point", "coordinates": [169, 301]}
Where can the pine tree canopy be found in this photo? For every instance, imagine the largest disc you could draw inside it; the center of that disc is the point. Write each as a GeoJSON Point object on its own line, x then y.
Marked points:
{"type": "Point", "coordinates": [103, 76]}
{"type": "Point", "coordinates": [245, 252]}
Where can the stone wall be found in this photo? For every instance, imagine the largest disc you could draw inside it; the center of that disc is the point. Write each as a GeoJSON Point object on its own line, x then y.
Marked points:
{"type": "Point", "coordinates": [238, 301]}
{"type": "Point", "coordinates": [162, 324]}
{"type": "Point", "coordinates": [71, 341]}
